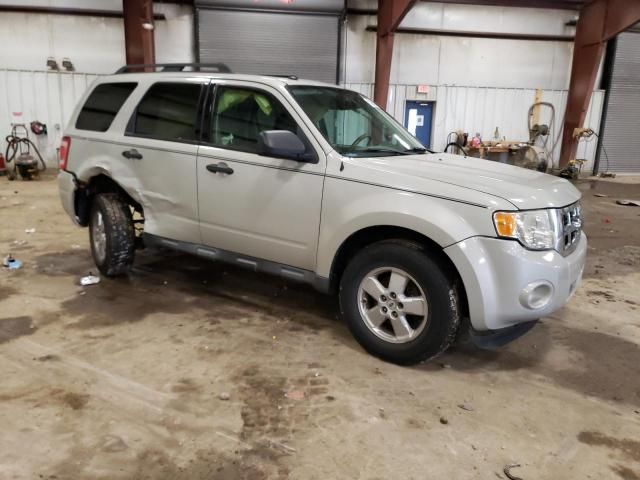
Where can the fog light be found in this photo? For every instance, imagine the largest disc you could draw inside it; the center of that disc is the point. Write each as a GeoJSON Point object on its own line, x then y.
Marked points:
{"type": "Point", "coordinates": [536, 295]}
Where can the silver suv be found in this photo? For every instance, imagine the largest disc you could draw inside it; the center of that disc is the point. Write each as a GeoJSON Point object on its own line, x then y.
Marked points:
{"type": "Point", "coordinates": [317, 184]}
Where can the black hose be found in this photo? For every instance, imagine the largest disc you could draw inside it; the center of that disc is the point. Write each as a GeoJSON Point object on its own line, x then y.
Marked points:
{"type": "Point", "coordinates": [13, 146]}
{"type": "Point", "coordinates": [551, 121]}
{"type": "Point", "coordinates": [457, 145]}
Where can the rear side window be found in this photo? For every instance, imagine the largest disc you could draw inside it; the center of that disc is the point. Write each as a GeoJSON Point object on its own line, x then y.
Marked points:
{"type": "Point", "coordinates": [103, 105]}
{"type": "Point", "coordinates": [168, 111]}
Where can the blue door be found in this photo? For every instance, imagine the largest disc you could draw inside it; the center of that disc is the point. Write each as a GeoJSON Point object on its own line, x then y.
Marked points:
{"type": "Point", "coordinates": [417, 119]}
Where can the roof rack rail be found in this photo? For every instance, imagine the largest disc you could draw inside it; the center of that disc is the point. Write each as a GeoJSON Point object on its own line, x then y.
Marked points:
{"type": "Point", "coordinates": [176, 67]}
{"type": "Point", "coordinates": [290, 77]}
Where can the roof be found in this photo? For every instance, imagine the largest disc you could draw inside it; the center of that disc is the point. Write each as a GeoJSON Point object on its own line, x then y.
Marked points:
{"type": "Point", "coordinates": [275, 81]}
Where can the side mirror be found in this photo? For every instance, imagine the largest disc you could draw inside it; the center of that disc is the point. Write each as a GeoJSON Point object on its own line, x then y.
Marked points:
{"type": "Point", "coordinates": [282, 144]}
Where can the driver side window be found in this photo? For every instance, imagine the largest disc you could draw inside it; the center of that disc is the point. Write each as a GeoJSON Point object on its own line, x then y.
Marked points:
{"type": "Point", "coordinates": [240, 114]}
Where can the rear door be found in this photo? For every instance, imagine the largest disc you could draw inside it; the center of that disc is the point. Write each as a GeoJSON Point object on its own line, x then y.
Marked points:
{"type": "Point", "coordinates": [268, 208]}
{"type": "Point", "coordinates": [161, 144]}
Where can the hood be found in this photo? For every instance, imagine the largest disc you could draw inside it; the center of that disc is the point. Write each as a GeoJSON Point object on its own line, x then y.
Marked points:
{"type": "Point", "coordinates": [523, 188]}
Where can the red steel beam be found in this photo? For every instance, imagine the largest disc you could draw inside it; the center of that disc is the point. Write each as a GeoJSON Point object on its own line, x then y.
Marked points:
{"type": "Point", "coordinates": [599, 21]}
{"type": "Point", "coordinates": [390, 14]}
{"type": "Point", "coordinates": [139, 41]}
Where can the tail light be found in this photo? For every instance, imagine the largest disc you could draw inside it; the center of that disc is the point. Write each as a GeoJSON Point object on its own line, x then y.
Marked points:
{"type": "Point", "coordinates": [65, 146]}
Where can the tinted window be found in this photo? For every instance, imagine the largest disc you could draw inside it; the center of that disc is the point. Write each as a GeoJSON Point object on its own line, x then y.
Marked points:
{"type": "Point", "coordinates": [102, 106]}
{"type": "Point", "coordinates": [168, 111]}
{"type": "Point", "coordinates": [240, 115]}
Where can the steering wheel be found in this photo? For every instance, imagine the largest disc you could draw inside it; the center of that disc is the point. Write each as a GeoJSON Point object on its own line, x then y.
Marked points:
{"type": "Point", "coordinates": [361, 138]}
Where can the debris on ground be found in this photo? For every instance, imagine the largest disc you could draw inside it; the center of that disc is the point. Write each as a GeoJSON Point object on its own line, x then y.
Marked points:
{"type": "Point", "coordinates": [629, 203]}
{"type": "Point", "coordinates": [295, 395]}
{"type": "Point", "coordinates": [466, 406]}
{"type": "Point", "coordinates": [600, 195]}
{"type": "Point", "coordinates": [224, 396]}
{"type": "Point", "coordinates": [11, 263]}
{"type": "Point", "coordinates": [445, 365]}
{"type": "Point", "coordinates": [29, 230]}
{"type": "Point", "coordinates": [47, 358]}
{"type": "Point", "coordinates": [19, 243]}
{"type": "Point", "coordinates": [507, 471]}
{"type": "Point", "coordinates": [281, 446]}
{"type": "Point", "coordinates": [113, 443]}
{"type": "Point", "coordinates": [89, 280]}
{"type": "Point", "coordinates": [444, 420]}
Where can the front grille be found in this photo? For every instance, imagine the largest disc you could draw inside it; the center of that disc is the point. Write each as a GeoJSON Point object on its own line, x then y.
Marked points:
{"type": "Point", "coordinates": [570, 222]}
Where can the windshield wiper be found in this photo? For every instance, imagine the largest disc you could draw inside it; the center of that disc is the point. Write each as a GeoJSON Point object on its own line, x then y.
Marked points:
{"type": "Point", "coordinates": [418, 150]}
{"type": "Point", "coordinates": [382, 150]}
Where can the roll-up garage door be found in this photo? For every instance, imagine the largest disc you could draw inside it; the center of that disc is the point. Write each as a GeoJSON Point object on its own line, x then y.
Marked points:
{"type": "Point", "coordinates": [298, 38]}
{"type": "Point", "coordinates": [620, 150]}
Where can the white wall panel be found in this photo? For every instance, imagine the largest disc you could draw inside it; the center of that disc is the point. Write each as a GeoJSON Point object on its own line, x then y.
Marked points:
{"type": "Point", "coordinates": [482, 109]}
{"type": "Point", "coordinates": [484, 18]}
{"type": "Point", "coordinates": [48, 97]}
{"type": "Point", "coordinates": [481, 18]}
{"type": "Point", "coordinates": [441, 59]}
{"type": "Point", "coordinates": [93, 44]}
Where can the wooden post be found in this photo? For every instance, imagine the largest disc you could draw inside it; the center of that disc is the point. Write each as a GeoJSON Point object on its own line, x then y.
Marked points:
{"type": "Point", "coordinates": [390, 14]}
{"type": "Point", "coordinates": [599, 21]}
{"type": "Point", "coordinates": [138, 40]}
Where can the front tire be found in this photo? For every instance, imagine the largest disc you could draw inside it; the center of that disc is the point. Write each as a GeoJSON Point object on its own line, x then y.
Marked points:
{"type": "Point", "coordinates": [400, 303]}
{"type": "Point", "coordinates": [112, 235]}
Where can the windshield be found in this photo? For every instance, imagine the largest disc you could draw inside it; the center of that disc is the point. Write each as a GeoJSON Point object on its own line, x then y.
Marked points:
{"type": "Point", "coordinates": [353, 124]}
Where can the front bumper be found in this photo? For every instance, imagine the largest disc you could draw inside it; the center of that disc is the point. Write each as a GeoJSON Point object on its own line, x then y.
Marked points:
{"type": "Point", "coordinates": [500, 276]}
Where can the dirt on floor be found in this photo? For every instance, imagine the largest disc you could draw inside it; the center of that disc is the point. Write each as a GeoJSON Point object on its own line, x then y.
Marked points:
{"type": "Point", "coordinates": [190, 370]}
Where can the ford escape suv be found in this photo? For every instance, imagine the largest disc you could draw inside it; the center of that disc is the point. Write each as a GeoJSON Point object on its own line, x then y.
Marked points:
{"type": "Point", "coordinates": [317, 184]}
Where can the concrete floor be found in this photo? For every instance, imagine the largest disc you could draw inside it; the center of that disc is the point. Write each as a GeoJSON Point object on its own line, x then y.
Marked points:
{"type": "Point", "coordinates": [128, 379]}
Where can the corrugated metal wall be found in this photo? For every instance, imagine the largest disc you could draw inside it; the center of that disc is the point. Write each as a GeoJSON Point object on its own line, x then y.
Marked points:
{"type": "Point", "coordinates": [269, 43]}
{"type": "Point", "coordinates": [48, 97]}
{"type": "Point", "coordinates": [621, 133]}
{"type": "Point", "coordinates": [478, 109]}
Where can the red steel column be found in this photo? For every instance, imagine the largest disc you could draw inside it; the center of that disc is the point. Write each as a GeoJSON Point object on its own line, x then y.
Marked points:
{"type": "Point", "coordinates": [599, 21]}
{"type": "Point", "coordinates": [390, 14]}
{"type": "Point", "coordinates": [139, 41]}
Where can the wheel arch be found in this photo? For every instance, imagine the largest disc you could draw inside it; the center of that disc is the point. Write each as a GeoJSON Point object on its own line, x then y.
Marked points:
{"type": "Point", "coordinates": [101, 182]}
{"type": "Point", "coordinates": [374, 234]}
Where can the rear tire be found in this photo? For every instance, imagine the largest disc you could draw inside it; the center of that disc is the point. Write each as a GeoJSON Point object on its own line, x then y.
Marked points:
{"type": "Point", "coordinates": [111, 234]}
{"type": "Point", "coordinates": [400, 303]}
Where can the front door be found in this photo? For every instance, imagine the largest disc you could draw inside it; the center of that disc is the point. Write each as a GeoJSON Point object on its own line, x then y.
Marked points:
{"type": "Point", "coordinates": [262, 207]}
{"type": "Point", "coordinates": [417, 119]}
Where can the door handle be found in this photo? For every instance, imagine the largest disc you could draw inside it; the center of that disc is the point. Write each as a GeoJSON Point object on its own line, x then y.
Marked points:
{"type": "Point", "coordinates": [132, 154]}
{"type": "Point", "coordinates": [220, 168]}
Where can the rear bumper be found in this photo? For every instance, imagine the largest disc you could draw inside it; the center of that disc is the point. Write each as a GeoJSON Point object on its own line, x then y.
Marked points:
{"type": "Point", "coordinates": [67, 191]}
{"type": "Point", "coordinates": [507, 284]}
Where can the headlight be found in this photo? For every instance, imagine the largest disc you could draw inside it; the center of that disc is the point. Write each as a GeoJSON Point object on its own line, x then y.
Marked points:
{"type": "Point", "coordinates": [534, 229]}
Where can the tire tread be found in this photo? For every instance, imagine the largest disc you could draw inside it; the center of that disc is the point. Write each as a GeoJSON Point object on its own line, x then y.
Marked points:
{"type": "Point", "coordinates": [120, 234]}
